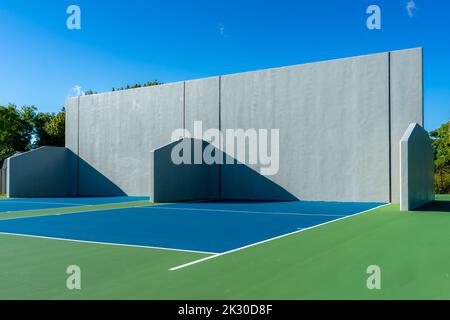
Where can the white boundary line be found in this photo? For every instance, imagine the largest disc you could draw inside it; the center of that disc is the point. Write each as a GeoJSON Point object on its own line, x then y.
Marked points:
{"type": "Point", "coordinates": [65, 203]}
{"type": "Point", "coordinates": [90, 209]}
{"type": "Point", "coordinates": [264, 241]}
{"type": "Point", "coordinates": [252, 212]}
{"type": "Point", "coordinates": [106, 243]}
{"type": "Point", "coordinates": [39, 202]}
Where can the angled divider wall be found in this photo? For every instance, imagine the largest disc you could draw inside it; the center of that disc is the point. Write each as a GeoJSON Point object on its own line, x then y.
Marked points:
{"type": "Point", "coordinates": [416, 168]}
{"type": "Point", "coordinates": [43, 172]}
{"type": "Point", "coordinates": [181, 182]}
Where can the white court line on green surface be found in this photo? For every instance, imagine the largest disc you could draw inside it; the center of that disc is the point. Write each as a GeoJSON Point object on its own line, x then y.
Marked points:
{"type": "Point", "coordinates": [271, 239]}
{"type": "Point", "coordinates": [105, 243]}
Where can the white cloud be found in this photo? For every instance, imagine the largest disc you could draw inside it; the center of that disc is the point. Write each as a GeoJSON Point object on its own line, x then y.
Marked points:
{"type": "Point", "coordinates": [221, 29]}
{"type": "Point", "coordinates": [76, 91]}
{"type": "Point", "coordinates": [410, 8]}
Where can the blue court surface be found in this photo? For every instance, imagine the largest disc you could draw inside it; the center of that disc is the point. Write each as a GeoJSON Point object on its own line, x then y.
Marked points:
{"type": "Point", "coordinates": [21, 204]}
{"type": "Point", "coordinates": [213, 227]}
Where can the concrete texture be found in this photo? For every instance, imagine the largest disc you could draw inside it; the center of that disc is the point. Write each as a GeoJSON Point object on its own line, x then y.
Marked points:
{"type": "Point", "coordinates": [72, 133]}
{"type": "Point", "coordinates": [340, 122]}
{"type": "Point", "coordinates": [202, 103]}
{"type": "Point", "coordinates": [334, 128]}
{"type": "Point", "coordinates": [45, 172]}
{"type": "Point", "coordinates": [170, 182]}
{"type": "Point", "coordinates": [202, 98]}
{"type": "Point", "coordinates": [416, 168]}
{"type": "Point", "coordinates": [406, 103]}
{"type": "Point", "coordinates": [72, 124]}
{"type": "Point", "coordinates": [117, 132]}
{"type": "Point", "coordinates": [3, 174]}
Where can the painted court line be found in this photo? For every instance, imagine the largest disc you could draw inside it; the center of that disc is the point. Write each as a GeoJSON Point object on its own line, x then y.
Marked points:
{"type": "Point", "coordinates": [107, 243]}
{"type": "Point", "coordinates": [90, 208]}
{"type": "Point", "coordinates": [253, 212]}
{"type": "Point", "coordinates": [264, 241]}
{"type": "Point", "coordinates": [38, 202]}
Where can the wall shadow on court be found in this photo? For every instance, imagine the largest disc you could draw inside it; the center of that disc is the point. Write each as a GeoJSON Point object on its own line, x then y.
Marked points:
{"type": "Point", "coordinates": [235, 181]}
{"type": "Point", "coordinates": [436, 206]}
{"type": "Point", "coordinates": [89, 182]}
{"type": "Point", "coordinates": [240, 182]}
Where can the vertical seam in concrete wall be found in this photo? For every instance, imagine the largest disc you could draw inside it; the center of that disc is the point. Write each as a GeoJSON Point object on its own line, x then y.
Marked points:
{"type": "Point", "coordinates": [423, 97]}
{"type": "Point", "coordinates": [390, 130]}
{"type": "Point", "coordinates": [220, 142]}
{"type": "Point", "coordinates": [78, 146]}
{"type": "Point", "coordinates": [402, 192]}
{"type": "Point", "coordinates": [184, 105]}
{"type": "Point", "coordinates": [8, 169]}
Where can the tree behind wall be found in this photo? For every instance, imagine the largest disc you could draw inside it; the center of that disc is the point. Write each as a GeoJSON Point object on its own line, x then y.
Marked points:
{"type": "Point", "coordinates": [16, 129]}
{"type": "Point", "coordinates": [24, 129]}
{"type": "Point", "coordinates": [441, 143]}
{"type": "Point", "coordinates": [50, 129]}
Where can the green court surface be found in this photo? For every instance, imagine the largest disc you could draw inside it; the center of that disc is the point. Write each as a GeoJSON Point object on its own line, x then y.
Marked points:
{"type": "Point", "coordinates": [326, 262]}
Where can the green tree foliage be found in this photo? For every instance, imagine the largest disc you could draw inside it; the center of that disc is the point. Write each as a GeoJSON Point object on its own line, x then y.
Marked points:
{"type": "Point", "coordinates": [24, 129]}
{"type": "Point", "coordinates": [50, 129]}
{"type": "Point", "coordinates": [138, 85]}
{"type": "Point", "coordinates": [16, 129]}
{"type": "Point", "coordinates": [441, 143]}
{"type": "Point", "coordinates": [89, 92]}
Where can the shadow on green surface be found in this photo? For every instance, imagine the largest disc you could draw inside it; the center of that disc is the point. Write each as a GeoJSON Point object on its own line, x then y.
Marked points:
{"type": "Point", "coordinates": [436, 206]}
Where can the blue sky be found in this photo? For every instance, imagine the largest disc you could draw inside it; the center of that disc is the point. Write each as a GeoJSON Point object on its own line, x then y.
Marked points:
{"type": "Point", "coordinates": [131, 41]}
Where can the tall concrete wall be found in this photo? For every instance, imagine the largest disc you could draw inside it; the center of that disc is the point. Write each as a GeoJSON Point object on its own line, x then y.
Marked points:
{"type": "Point", "coordinates": [3, 174]}
{"type": "Point", "coordinates": [340, 122]}
{"type": "Point", "coordinates": [416, 168]}
{"type": "Point", "coordinates": [406, 103]}
{"type": "Point", "coordinates": [202, 104]}
{"type": "Point", "coordinates": [46, 171]}
{"type": "Point", "coordinates": [72, 133]}
{"type": "Point", "coordinates": [117, 132]}
{"type": "Point", "coordinates": [334, 128]}
{"type": "Point", "coordinates": [72, 124]}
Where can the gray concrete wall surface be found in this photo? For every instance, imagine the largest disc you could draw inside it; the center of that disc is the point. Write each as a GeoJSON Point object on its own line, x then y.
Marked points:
{"type": "Point", "coordinates": [46, 171]}
{"type": "Point", "coordinates": [406, 103]}
{"type": "Point", "coordinates": [3, 174]}
{"type": "Point", "coordinates": [334, 129]}
{"type": "Point", "coordinates": [202, 99]}
{"type": "Point", "coordinates": [117, 132]}
{"type": "Point", "coordinates": [416, 168]}
{"type": "Point", "coordinates": [340, 122]}
{"type": "Point", "coordinates": [202, 103]}
{"type": "Point", "coordinates": [72, 124]}
{"type": "Point", "coordinates": [170, 182]}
